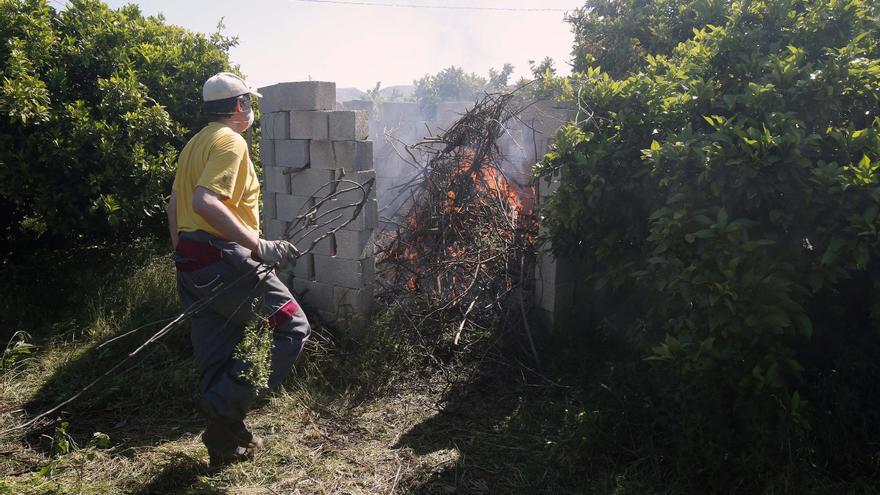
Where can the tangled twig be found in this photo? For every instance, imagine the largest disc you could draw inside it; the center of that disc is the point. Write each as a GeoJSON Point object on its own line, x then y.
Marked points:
{"type": "Point", "coordinates": [457, 258]}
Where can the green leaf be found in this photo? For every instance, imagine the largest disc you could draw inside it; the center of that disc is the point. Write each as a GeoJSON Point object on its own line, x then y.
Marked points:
{"type": "Point", "coordinates": [871, 213]}
{"type": "Point", "coordinates": [804, 325]}
{"type": "Point", "coordinates": [100, 440]}
{"type": "Point", "coordinates": [721, 218]}
{"type": "Point", "coordinates": [661, 212]}
{"type": "Point", "coordinates": [831, 253]}
{"type": "Point", "coordinates": [777, 320]}
{"type": "Point", "coordinates": [773, 377]}
{"type": "Point", "coordinates": [49, 469]}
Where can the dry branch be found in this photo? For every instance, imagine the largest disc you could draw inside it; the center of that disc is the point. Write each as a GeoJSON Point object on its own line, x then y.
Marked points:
{"type": "Point", "coordinates": [455, 261]}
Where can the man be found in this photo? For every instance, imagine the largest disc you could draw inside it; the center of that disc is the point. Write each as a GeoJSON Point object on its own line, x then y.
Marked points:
{"type": "Point", "coordinates": [221, 263]}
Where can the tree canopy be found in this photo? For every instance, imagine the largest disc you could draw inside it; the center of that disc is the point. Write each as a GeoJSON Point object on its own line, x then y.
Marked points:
{"type": "Point", "coordinates": [94, 105]}
{"type": "Point", "coordinates": [454, 84]}
{"type": "Point", "coordinates": [721, 189]}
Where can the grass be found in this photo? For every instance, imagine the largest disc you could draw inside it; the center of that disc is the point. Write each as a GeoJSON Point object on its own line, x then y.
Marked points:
{"type": "Point", "coordinates": [367, 416]}
{"type": "Point", "coordinates": [376, 414]}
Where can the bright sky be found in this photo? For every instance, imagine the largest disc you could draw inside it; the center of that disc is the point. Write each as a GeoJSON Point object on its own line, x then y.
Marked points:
{"type": "Point", "coordinates": [358, 45]}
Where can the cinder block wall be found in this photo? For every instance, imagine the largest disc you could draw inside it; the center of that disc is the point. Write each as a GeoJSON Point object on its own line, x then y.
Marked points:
{"type": "Point", "coordinates": [306, 144]}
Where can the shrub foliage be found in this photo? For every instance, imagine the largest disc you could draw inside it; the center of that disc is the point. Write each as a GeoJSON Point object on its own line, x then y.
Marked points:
{"type": "Point", "coordinates": [94, 104]}
{"type": "Point", "coordinates": [722, 187]}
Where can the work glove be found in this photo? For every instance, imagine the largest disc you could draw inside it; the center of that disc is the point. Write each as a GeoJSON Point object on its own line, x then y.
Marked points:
{"type": "Point", "coordinates": [277, 253]}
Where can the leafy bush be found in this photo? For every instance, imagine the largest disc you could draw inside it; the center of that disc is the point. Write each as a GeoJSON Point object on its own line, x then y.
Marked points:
{"type": "Point", "coordinates": [725, 196]}
{"type": "Point", "coordinates": [617, 35]}
{"type": "Point", "coordinates": [94, 104]}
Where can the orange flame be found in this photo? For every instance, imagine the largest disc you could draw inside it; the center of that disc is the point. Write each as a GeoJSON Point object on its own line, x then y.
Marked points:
{"type": "Point", "coordinates": [490, 188]}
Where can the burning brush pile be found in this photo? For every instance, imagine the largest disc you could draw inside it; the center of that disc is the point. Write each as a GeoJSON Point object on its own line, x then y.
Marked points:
{"type": "Point", "coordinates": [461, 260]}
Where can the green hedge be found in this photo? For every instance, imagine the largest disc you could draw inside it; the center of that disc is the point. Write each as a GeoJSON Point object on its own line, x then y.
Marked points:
{"type": "Point", "coordinates": [725, 195]}
{"type": "Point", "coordinates": [94, 105]}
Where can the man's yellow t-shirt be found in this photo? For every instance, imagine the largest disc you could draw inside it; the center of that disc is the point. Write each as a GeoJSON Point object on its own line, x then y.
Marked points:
{"type": "Point", "coordinates": [217, 158]}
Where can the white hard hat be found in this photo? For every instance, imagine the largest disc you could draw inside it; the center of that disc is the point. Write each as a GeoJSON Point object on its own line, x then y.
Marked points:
{"type": "Point", "coordinates": [225, 85]}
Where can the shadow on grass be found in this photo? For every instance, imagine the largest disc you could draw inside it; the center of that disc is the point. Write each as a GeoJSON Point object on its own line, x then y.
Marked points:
{"type": "Point", "coordinates": [181, 475]}
{"type": "Point", "coordinates": [149, 399]}
{"type": "Point", "coordinates": [506, 434]}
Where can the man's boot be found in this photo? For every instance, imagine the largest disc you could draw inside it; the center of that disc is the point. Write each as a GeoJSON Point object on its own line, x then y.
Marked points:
{"type": "Point", "coordinates": [227, 440]}
{"type": "Point", "coordinates": [222, 448]}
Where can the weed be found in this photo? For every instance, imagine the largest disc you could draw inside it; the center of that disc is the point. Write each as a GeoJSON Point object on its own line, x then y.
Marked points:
{"type": "Point", "coordinates": [255, 350]}
{"type": "Point", "coordinates": [17, 351]}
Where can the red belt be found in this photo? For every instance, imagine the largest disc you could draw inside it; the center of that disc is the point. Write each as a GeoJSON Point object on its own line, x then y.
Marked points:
{"type": "Point", "coordinates": [198, 254]}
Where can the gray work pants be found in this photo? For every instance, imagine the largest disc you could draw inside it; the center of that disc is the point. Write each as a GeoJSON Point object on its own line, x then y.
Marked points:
{"type": "Point", "coordinates": [219, 327]}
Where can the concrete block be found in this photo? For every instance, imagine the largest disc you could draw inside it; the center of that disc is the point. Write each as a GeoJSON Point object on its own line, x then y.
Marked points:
{"type": "Point", "coordinates": [288, 206]}
{"type": "Point", "coordinates": [269, 211]}
{"type": "Point", "coordinates": [325, 246]}
{"type": "Point", "coordinates": [353, 156]}
{"type": "Point", "coordinates": [347, 192]}
{"type": "Point", "coordinates": [353, 274]}
{"type": "Point", "coordinates": [292, 153]}
{"type": "Point", "coordinates": [273, 229]}
{"type": "Point", "coordinates": [348, 125]}
{"type": "Point", "coordinates": [454, 107]}
{"type": "Point", "coordinates": [301, 95]}
{"type": "Point", "coordinates": [368, 218]}
{"type": "Point", "coordinates": [354, 245]}
{"type": "Point", "coordinates": [352, 303]}
{"type": "Point", "coordinates": [554, 288]}
{"type": "Point", "coordinates": [304, 268]}
{"type": "Point", "coordinates": [322, 155]}
{"type": "Point", "coordinates": [394, 112]}
{"type": "Point", "coordinates": [311, 182]}
{"type": "Point", "coordinates": [275, 125]}
{"type": "Point", "coordinates": [365, 105]}
{"type": "Point", "coordinates": [421, 129]}
{"type": "Point", "coordinates": [450, 112]}
{"type": "Point", "coordinates": [309, 124]}
{"type": "Point", "coordinates": [339, 212]}
{"type": "Point", "coordinates": [408, 132]}
{"type": "Point", "coordinates": [314, 294]}
{"type": "Point", "coordinates": [314, 238]}
{"type": "Point", "coordinates": [327, 316]}
{"type": "Point", "coordinates": [548, 186]}
{"type": "Point", "coordinates": [377, 132]}
{"type": "Point", "coordinates": [267, 151]}
{"type": "Point", "coordinates": [276, 179]}
{"type": "Point", "coordinates": [350, 156]}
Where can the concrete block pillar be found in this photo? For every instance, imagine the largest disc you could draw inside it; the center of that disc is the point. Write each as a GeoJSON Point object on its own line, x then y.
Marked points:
{"type": "Point", "coordinates": [306, 145]}
{"type": "Point", "coordinates": [554, 278]}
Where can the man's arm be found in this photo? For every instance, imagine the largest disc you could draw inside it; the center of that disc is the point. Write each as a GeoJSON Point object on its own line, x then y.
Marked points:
{"type": "Point", "coordinates": [207, 204]}
{"type": "Point", "coordinates": [172, 218]}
